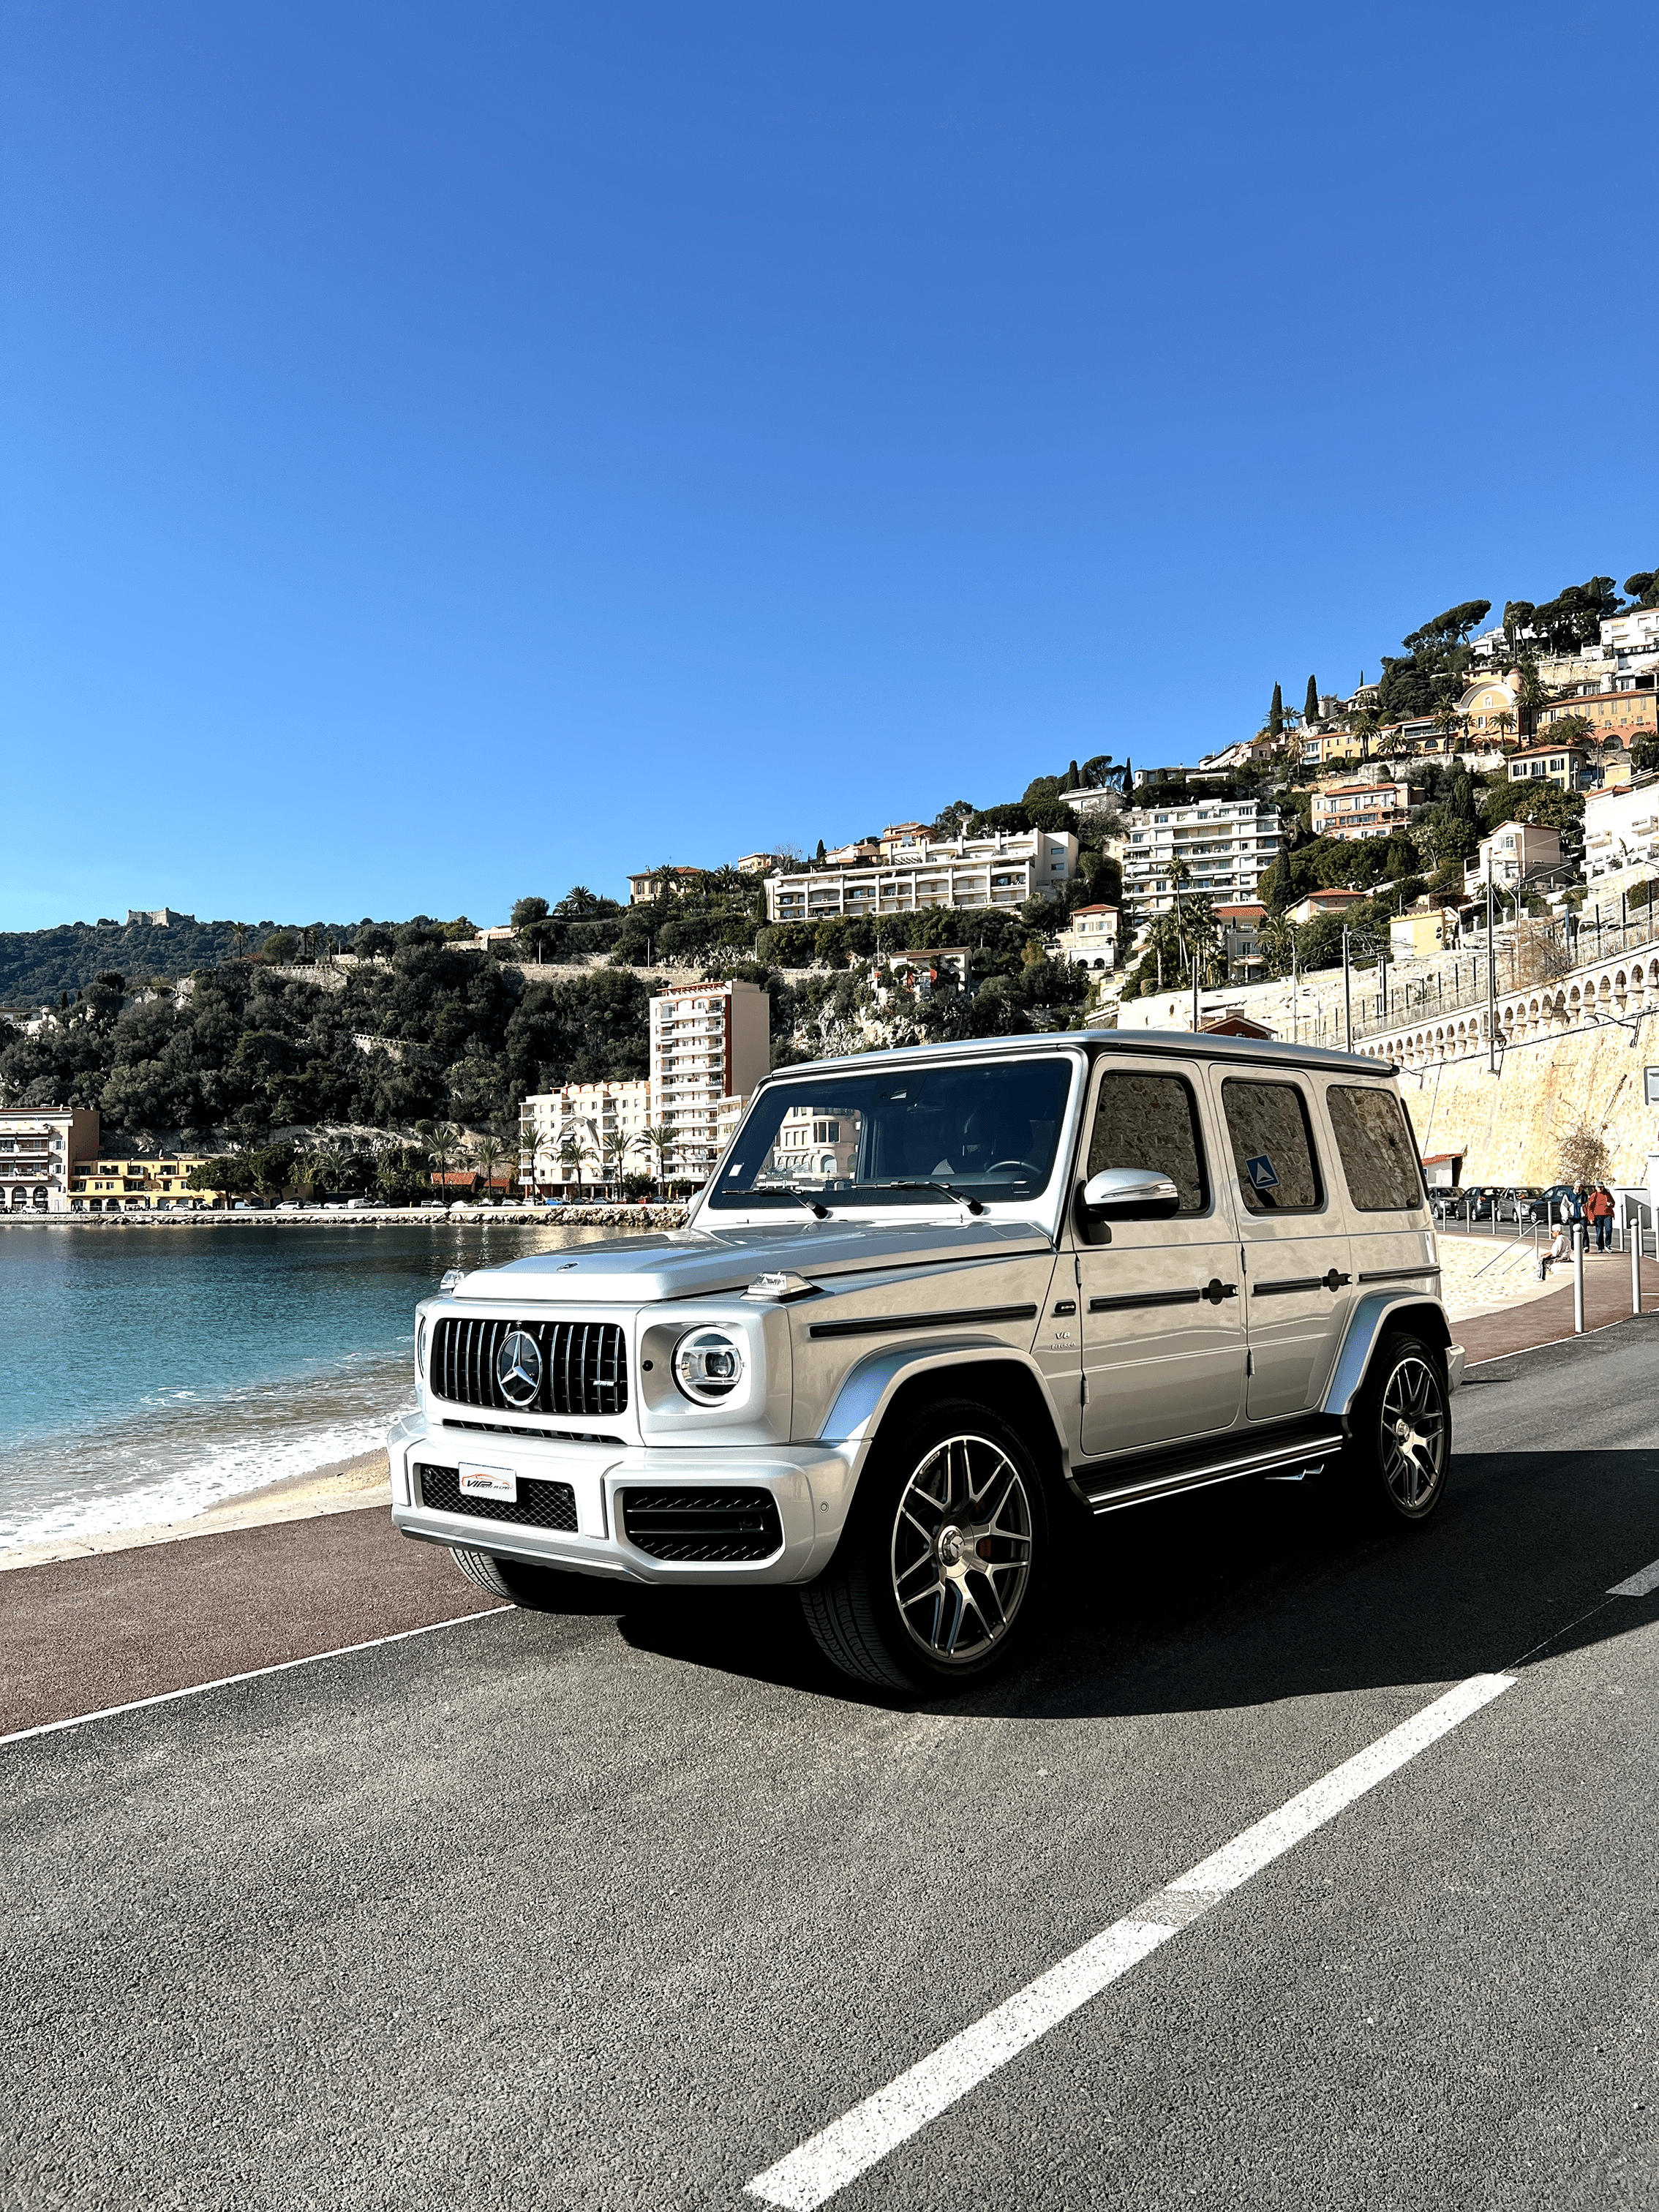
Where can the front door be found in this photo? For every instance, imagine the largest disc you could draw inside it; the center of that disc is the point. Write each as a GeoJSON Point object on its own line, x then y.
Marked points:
{"type": "Point", "coordinates": [1296, 1267]}
{"type": "Point", "coordinates": [1159, 1303]}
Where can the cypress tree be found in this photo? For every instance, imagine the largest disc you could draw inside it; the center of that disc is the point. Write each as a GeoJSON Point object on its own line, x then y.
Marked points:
{"type": "Point", "coordinates": [1276, 713]}
{"type": "Point", "coordinates": [1071, 781]}
{"type": "Point", "coordinates": [1311, 706]}
{"type": "Point", "coordinates": [819, 855]}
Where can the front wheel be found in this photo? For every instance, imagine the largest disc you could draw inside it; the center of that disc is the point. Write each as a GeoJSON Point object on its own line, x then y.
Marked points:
{"type": "Point", "coordinates": [1401, 1430]}
{"type": "Point", "coordinates": [938, 1578]}
{"type": "Point", "coordinates": [537, 1589]}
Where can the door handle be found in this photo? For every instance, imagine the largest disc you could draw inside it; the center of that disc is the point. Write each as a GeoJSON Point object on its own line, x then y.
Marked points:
{"type": "Point", "coordinates": [1336, 1282]}
{"type": "Point", "coordinates": [1215, 1289]}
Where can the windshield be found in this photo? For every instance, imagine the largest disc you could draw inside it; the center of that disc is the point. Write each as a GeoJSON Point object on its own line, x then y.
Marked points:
{"type": "Point", "coordinates": [987, 1131]}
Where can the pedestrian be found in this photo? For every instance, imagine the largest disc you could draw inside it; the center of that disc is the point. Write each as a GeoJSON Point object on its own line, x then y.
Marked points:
{"type": "Point", "coordinates": [1598, 1207]}
{"type": "Point", "coordinates": [1558, 1249]}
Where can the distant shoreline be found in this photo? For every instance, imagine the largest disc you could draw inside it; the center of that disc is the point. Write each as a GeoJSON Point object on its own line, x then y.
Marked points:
{"type": "Point", "coordinates": [379, 1217]}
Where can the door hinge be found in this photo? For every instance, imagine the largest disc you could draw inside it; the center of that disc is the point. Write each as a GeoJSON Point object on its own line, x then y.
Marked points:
{"type": "Point", "coordinates": [1249, 1363]}
{"type": "Point", "coordinates": [1083, 1398]}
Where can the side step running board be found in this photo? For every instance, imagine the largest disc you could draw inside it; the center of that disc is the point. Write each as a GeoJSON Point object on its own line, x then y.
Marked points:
{"type": "Point", "coordinates": [1288, 1463]}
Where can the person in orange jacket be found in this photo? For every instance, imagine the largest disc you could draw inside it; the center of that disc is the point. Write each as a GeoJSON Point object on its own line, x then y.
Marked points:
{"type": "Point", "coordinates": [1598, 1208]}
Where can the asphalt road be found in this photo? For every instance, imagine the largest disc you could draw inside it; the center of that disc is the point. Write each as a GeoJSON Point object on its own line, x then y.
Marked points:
{"type": "Point", "coordinates": [615, 1910]}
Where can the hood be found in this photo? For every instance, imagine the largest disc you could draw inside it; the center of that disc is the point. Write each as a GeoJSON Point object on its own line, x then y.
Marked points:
{"type": "Point", "coordinates": [692, 1263]}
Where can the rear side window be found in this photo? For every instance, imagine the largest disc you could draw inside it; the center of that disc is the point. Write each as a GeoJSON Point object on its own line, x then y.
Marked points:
{"type": "Point", "coordinates": [1379, 1159]}
{"type": "Point", "coordinates": [1273, 1147]}
{"type": "Point", "coordinates": [1150, 1121]}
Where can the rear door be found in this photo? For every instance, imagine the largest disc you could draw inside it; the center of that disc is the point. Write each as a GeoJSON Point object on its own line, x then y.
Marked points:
{"type": "Point", "coordinates": [1296, 1269]}
{"type": "Point", "coordinates": [1390, 1231]}
{"type": "Point", "coordinates": [1160, 1312]}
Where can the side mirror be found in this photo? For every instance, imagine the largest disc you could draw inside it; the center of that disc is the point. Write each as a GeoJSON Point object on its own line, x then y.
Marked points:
{"type": "Point", "coordinates": [1130, 1194]}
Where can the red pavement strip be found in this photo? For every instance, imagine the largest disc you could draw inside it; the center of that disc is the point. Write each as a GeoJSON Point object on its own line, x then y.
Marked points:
{"type": "Point", "coordinates": [1547, 1320]}
{"type": "Point", "coordinates": [78, 1636]}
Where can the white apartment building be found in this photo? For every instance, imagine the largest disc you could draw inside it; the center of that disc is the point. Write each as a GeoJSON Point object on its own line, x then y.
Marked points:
{"type": "Point", "coordinates": [1621, 828]}
{"type": "Point", "coordinates": [912, 874]}
{"type": "Point", "coordinates": [593, 1116]}
{"type": "Point", "coordinates": [39, 1145]}
{"type": "Point", "coordinates": [1227, 844]}
{"type": "Point", "coordinates": [710, 1043]}
{"type": "Point", "coordinates": [1511, 852]}
{"type": "Point", "coordinates": [1090, 940]}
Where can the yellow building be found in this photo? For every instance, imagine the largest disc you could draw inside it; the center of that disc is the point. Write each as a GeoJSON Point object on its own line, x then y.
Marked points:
{"type": "Point", "coordinates": [159, 1186]}
{"type": "Point", "coordinates": [1490, 710]}
{"type": "Point", "coordinates": [1331, 748]}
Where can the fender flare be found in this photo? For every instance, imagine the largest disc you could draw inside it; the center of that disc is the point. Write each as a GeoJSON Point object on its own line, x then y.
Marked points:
{"type": "Point", "coordinates": [1371, 1314]}
{"type": "Point", "coordinates": [869, 1388]}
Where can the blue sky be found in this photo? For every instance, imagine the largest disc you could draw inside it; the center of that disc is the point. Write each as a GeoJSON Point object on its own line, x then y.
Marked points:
{"type": "Point", "coordinates": [452, 453]}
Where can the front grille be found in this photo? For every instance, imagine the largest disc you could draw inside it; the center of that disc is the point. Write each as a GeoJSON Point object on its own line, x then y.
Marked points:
{"type": "Point", "coordinates": [516, 1429]}
{"type": "Point", "coordinates": [583, 1366]}
{"type": "Point", "coordinates": [697, 1523]}
{"type": "Point", "coordinates": [539, 1504]}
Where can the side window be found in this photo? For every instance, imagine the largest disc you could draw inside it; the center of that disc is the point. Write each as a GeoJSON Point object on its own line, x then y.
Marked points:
{"type": "Point", "coordinates": [1273, 1147]}
{"type": "Point", "coordinates": [1379, 1158]}
{"type": "Point", "coordinates": [1150, 1121]}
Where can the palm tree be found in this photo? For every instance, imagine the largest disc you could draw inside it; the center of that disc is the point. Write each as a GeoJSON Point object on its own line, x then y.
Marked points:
{"type": "Point", "coordinates": [1503, 726]}
{"type": "Point", "coordinates": [613, 1147]}
{"type": "Point", "coordinates": [488, 1153]}
{"type": "Point", "coordinates": [441, 1146]}
{"type": "Point", "coordinates": [573, 1151]}
{"type": "Point", "coordinates": [531, 1152]}
{"type": "Point", "coordinates": [660, 1140]}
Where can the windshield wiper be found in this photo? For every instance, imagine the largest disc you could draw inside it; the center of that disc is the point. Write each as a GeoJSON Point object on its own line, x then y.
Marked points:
{"type": "Point", "coordinates": [961, 1197]}
{"type": "Point", "coordinates": [793, 1190]}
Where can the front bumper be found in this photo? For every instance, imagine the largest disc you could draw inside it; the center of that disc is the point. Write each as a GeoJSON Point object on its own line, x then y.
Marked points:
{"type": "Point", "coordinates": [812, 1484]}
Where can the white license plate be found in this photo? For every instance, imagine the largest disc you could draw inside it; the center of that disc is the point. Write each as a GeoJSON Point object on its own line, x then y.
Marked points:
{"type": "Point", "coordinates": [490, 1482]}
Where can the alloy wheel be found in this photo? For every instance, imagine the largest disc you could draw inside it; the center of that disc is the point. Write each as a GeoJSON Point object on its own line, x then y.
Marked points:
{"type": "Point", "coordinates": [1414, 1433]}
{"type": "Point", "coordinates": [962, 1549]}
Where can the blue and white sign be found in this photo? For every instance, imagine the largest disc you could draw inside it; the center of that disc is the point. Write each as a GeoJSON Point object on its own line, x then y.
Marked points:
{"type": "Point", "coordinates": [1261, 1173]}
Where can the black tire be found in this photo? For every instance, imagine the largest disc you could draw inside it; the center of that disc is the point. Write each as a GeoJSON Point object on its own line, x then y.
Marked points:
{"type": "Point", "coordinates": [1401, 1431]}
{"type": "Point", "coordinates": [538, 1589]}
{"type": "Point", "coordinates": [939, 1577]}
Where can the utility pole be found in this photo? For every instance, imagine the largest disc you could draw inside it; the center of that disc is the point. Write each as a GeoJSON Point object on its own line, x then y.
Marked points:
{"type": "Point", "coordinates": [1348, 992]}
{"type": "Point", "coordinates": [1492, 980]}
{"type": "Point", "coordinates": [1195, 990]}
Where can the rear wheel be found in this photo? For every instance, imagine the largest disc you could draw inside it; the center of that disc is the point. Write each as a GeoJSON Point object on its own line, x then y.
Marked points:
{"type": "Point", "coordinates": [1401, 1430]}
{"type": "Point", "coordinates": [938, 1579]}
{"type": "Point", "coordinates": [538, 1589]}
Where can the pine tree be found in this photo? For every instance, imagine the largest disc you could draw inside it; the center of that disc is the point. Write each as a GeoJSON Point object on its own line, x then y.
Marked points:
{"type": "Point", "coordinates": [1310, 704]}
{"type": "Point", "coordinates": [1276, 713]}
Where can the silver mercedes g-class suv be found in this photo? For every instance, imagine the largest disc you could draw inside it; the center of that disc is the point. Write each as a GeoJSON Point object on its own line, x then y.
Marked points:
{"type": "Point", "coordinates": [932, 1303]}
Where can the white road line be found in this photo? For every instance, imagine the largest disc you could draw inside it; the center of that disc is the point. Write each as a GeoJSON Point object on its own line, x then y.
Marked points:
{"type": "Point", "coordinates": [254, 1674]}
{"type": "Point", "coordinates": [1638, 1585]}
{"type": "Point", "coordinates": [850, 2146]}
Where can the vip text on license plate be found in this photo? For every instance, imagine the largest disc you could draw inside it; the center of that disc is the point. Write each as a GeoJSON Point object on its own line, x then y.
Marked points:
{"type": "Point", "coordinates": [488, 1482]}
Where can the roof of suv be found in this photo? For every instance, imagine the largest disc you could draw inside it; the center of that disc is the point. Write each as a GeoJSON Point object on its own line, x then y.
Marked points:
{"type": "Point", "coordinates": [1181, 1043]}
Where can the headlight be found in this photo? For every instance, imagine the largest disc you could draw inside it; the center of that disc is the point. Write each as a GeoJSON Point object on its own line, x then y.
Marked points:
{"type": "Point", "coordinates": [708, 1364]}
{"type": "Point", "coordinates": [420, 1350]}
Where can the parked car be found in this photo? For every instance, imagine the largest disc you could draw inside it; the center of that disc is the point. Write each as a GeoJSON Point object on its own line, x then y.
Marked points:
{"type": "Point", "coordinates": [935, 1309]}
{"type": "Point", "coordinates": [1545, 1206]}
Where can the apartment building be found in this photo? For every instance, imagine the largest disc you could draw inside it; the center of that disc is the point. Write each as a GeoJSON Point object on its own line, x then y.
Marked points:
{"type": "Point", "coordinates": [1327, 748]}
{"type": "Point", "coordinates": [912, 874]}
{"type": "Point", "coordinates": [1621, 828]}
{"type": "Point", "coordinates": [1558, 763]}
{"type": "Point", "coordinates": [39, 1149]}
{"type": "Point", "coordinates": [1226, 846]}
{"type": "Point", "coordinates": [1618, 714]}
{"type": "Point", "coordinates": [1511, 852]}
{"type": "Point", "coordinates": [1350, 810]}
{"type": "Point", "coordinates": [142, 1186]}
{"type": "Point", "coordinates": [1089, 939]}
{"type": "Point", "coordinates": [710, 1043]}
{"type": "Point", "coordinates": [586, 1132]}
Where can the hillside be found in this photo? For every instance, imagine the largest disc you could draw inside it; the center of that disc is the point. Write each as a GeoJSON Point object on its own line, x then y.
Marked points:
{"type": "Point", "coordinates": [36, 965]}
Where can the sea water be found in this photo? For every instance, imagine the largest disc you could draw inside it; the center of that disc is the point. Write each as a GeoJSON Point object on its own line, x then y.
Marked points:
{"type": "Point", "coordinates": [148, 1372]}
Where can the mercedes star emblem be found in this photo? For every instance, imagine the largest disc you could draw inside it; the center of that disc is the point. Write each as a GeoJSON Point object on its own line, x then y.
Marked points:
{"type": "Point", "coordinates": [518, 1368]}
